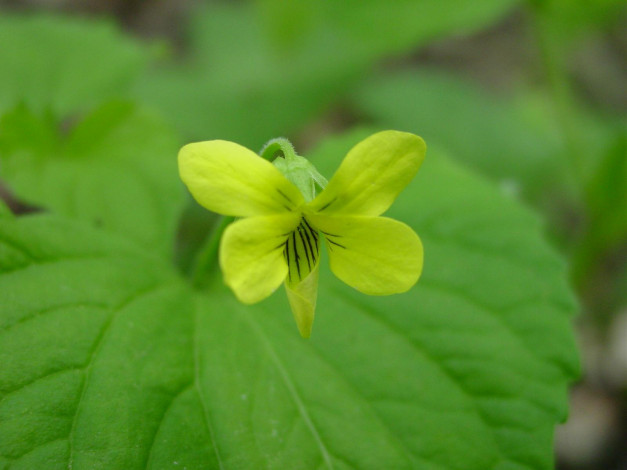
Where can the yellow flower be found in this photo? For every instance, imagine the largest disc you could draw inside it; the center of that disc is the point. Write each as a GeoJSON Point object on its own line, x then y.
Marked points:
{"type": "Point", "coordinates": [278, 238]}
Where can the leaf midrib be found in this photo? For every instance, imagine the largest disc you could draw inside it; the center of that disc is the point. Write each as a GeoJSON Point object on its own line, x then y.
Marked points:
{"type": "Point", "coordinates": [291, 387]}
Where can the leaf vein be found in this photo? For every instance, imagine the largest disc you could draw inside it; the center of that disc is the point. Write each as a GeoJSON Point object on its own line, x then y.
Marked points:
{"type": "Point", "coordinates": [198, 388]}
{"type": "Point", "coordinates": [38, 313]}
{"type": "Point", "coordinates": [168, 407]}
{"type": "Point", "coordinates": [289, 383]}
{"type": "Point", "coordinates": [94, 353]}
{"type": "Point", "coordinates": [367, 311]}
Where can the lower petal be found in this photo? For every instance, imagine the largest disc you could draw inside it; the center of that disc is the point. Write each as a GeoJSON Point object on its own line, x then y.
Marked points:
{"type": "Point", "coordinates": [302, 297]}
{"type": "Point", "coordinates": [375, 255]}
{"type": "Point", "coordinates": [251, 255]}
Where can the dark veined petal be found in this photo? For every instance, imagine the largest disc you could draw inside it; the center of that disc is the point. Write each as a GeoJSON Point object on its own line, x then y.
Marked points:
{"type": "Point", "coordinates": [302, 254]}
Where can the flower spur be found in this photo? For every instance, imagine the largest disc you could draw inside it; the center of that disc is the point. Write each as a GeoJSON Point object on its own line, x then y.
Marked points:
{"type": "Point", "coordinates": [277, 239]}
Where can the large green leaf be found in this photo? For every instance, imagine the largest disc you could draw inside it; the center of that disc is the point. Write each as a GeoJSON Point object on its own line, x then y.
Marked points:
{"type": "Point", "coordinates": [64, 64]}
{"type": "Point", "coordinates": [116, 168]}
{"type": "Point", "coordinates": [90, 336]}
{"type": "Point", "coordinates": [116, 364]}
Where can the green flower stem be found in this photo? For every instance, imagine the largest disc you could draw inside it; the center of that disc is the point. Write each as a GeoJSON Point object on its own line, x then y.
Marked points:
{"type": "Point", "coordinates": [206, 257]}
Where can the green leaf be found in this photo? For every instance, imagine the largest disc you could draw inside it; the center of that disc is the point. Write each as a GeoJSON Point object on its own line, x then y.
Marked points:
{"type": "Point", "coordinates": [116, 168]}
{"type": "Point", "coordinates": [64, 64]}
{"type": "Point", "coordinates": [4, 210]}
{"type": "Point", "coordinates": [89, 336]}
{"type": "Point", "coordinates": [116, 364]}
{"type": "Point", "coordinates": [568, 19]}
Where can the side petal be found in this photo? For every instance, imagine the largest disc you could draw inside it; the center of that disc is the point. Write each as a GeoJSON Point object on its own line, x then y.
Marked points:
{"type": "Point", "coordinates": [229, 179]}
{"type": "Point", "coordinates": [372, 175]}
{"type": "Point", "coordinates": [251, 255]}
{"type": "Point", "coordinates": [302, 297]}
{"type": "Point", "coordinates": [375, 255]}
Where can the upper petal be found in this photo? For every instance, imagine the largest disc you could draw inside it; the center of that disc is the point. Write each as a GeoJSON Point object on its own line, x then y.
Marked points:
{"type": "Point", "coordinates": [375, 255]}
{"type": "Point", "coordinates": [230, 179]}
{"type": "Point", "coordinates": [372, 175]}
{"type": "Point", "coordinates": [252, 255]}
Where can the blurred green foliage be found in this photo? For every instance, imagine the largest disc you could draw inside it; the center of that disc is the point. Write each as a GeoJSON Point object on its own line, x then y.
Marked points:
{"type": "Point", "coordinates": [65, 65]}
{"type": "Point", "coordinates": [113, 169]}
{"type": "Point", "coordinates": [111, 360]}
{"type": "Point", "coordinates": [243, 64]}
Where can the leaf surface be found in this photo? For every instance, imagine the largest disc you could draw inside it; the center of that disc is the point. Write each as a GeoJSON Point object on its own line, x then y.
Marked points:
{"type": "Point", "coordinates": [116, 363]}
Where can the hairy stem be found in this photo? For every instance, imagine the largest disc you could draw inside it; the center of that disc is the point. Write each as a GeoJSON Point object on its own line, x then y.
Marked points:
{"type": "Point", "coordinates": [277, 146]}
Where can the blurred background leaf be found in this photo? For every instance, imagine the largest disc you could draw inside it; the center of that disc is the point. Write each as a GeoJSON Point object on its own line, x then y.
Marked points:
{"type": "Point", "coordinates": [115, 169]}
{"type": "Point", "coordinates": [608, 192]}
{"type": "Point", "coordinates": [377, 27]}
{"type": "Point", "coordinates": [514, 141]}
{"type": "Point", "coordinates": [64, 65]}
{"type": "Point", "coordinates": [248, 76]}
{"type": "Point", "coordinates": [572, 19]}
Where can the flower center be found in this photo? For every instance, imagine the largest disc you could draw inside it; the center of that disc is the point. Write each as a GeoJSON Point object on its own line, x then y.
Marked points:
{"type": "Point", "coordinates": [302, 252]}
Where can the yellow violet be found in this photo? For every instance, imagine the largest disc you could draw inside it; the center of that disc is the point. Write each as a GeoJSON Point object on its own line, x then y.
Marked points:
{"type": "Point", "coordinates": [277, 239]}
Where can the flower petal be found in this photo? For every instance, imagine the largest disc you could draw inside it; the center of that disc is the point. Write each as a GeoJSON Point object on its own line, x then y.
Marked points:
{"type": "Point", "coordinates": [375, 255]}
{"type": "Point", "coordinates": [302, 254]}
{"type": "Point", "coordinates": [302, 297]}
{"type": "Point", "coordinates": [230, 179]}
{"type": "Point", "coordinates": [372, 175]}
{"type": "Point", "coordinates": [251, 255]}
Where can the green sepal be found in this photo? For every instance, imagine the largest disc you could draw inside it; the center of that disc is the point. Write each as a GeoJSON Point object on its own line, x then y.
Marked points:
{"type": "Point", "coordinates": [298, 170]}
